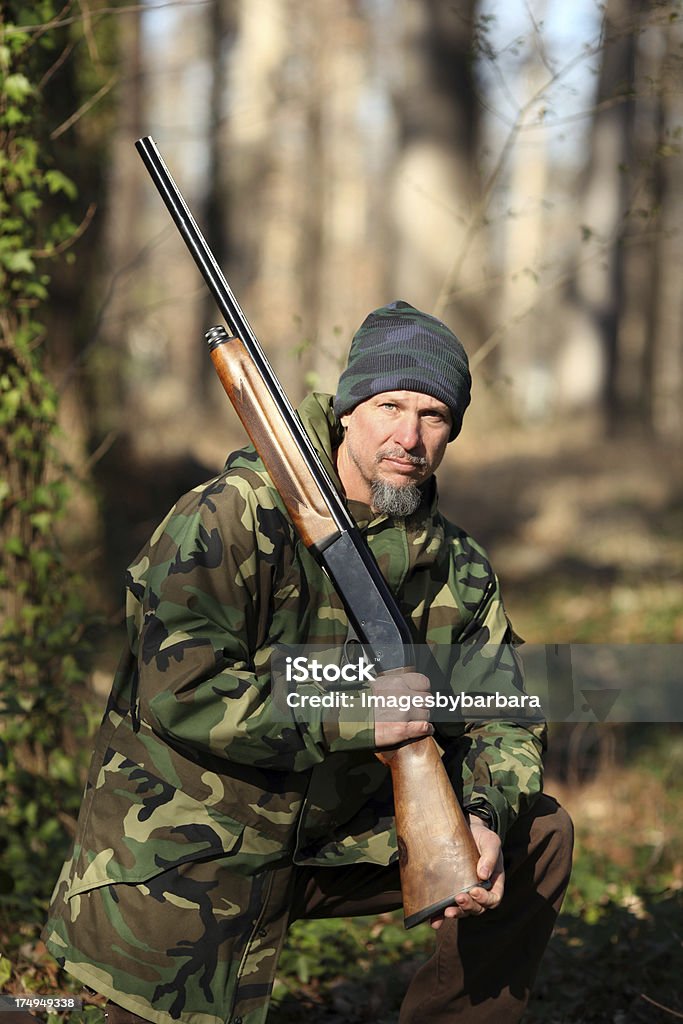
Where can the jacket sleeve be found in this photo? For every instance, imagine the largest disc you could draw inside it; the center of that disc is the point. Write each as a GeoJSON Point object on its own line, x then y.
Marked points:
{"type": "Point", "coordinates": [200, 599]}
{"type": "Point", "coordinates": [495, 761]}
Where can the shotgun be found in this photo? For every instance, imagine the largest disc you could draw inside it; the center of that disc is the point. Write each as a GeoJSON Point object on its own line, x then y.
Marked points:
{"type": "Point", "coordinates": [437, 854]}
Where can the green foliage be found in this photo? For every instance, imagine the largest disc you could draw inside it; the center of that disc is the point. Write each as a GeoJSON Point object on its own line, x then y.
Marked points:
{"type": "Point", "coordinates": [613, 967]}
{"type": "Point", "coordinates": [348, 970]}
{"type": "Point", "coordinates": [42, 635]}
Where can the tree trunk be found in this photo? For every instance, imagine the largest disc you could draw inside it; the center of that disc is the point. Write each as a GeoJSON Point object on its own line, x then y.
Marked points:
{"type": "Point", "coordinates": [438, 256]}
{"type": "Point", "coordinates": [620, 289]}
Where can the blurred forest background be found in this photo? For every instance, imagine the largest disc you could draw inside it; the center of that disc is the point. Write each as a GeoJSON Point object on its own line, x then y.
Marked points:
{"type": "Point", "coordinates": [514, 168]}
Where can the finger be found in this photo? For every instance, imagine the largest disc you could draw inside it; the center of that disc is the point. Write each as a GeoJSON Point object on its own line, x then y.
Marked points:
{"type": "Point", "coordinates": [390, 734]}
{"type": "Point", "coordinates": [438, 919]}
{"type": "Point", "coordinates": [453, 911]}
{"type": "Point", "coordinates": [418, 682]}
{"type": "Point", "coordinates": [468, 905]}
{"type": "Point", "coordinates": [487, 863]}
{"type": "Point", "coordinates": [415, 729]}
{"type": "Point", "coordinates": [401, 714]}
{"type": "Point", "coordinates": [474, 902]}
{"type": "Point", "coordinates": [489, 846]}
{"type": "Point", "coordinates": [396, 681]}
{"type": "Point", "coordinates": [498, 887]}
{"type": "Point", "coordinates": [486, 899]}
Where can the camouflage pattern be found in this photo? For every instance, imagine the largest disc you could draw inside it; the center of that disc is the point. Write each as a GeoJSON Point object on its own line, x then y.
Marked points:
{"type": "Point", "coordinates": [399, 348]}
{"type": "Point", "coordinates": [200, 800]}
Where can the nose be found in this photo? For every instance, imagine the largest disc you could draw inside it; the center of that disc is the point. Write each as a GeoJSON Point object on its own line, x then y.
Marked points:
{"type": "Point", "coordinates": [408, 432]}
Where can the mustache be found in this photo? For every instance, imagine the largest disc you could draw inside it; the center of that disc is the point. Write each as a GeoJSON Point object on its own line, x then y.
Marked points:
{"type": "Point", "coordinates": [400, 453]}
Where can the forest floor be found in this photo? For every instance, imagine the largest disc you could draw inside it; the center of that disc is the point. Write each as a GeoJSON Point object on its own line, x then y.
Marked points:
{"type": "Point", "coordinates": [587, 538]}
{"type": "Point", "coordinates": [585, 532]}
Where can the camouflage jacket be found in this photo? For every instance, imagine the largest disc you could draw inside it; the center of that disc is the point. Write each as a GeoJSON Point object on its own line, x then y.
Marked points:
{"type": "Point", "coordinates": [194, 759]}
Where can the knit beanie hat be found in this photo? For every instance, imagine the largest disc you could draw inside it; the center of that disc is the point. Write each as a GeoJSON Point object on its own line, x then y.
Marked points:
{"type": "Point", "coordinates": [399, 348]}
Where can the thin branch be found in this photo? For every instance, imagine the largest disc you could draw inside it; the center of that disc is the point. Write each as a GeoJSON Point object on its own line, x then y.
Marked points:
{"type": "Point", "coordinates": [582, 115]}
{"type": "Point", "coordinates": [497, 335]}
{"type": "Point", "coordinates": [474, 224]}
{"type": "Point", "coordinates": [144, 309]}
{"type": "Point", "coordinates": [72, 239]}
{"type": "Point", "coordinates": [64, 55]}
{"type": "Point", "coordinates": [40, 30]}
{"type": "Point", "coordinates": [494, 64]}
{"type": "Point", "coordinates": [88, 105]}
{"type": "Point", "coordinates": [660, 1006]}
{"type": "Point", "coordinates": [99, 452]}
{"type": "Point", "coordinates": [114, 281]}
{"type": "Point", "coordinates": [435, 201]}
{"type": "Point", "coordinates": [540, 42]}
{"type": "Point", "coordinates": [477, 217]}
{"type": "Point", "coordinates": [93, 48]}
{"type": "Point", "coordinates": [59, 22]}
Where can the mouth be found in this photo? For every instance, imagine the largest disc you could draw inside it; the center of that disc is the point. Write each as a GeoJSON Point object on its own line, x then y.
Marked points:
{"type": "Point", "coordinates": [404, 465]}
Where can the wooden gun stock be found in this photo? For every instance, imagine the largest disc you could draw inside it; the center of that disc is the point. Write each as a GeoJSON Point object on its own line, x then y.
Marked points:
{"type": "Point", "coordinates": [437, 854]}
{"type": "Point", "coordinates": [262, 421]}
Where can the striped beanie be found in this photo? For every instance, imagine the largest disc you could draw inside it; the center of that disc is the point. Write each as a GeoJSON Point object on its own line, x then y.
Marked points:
{"type": "Point", "coordinates": [399, 348]}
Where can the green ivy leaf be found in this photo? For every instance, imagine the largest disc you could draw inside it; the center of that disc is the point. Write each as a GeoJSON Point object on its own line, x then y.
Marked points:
{"type": "Point", "coordinates": [5, 970]}
{"type": "Point", "coordinates": [41, 521]}
{"type": "Point", "coordinates": [14, 546]}
{"type": "Point", "coordinates": [14, 116]}
{"type": "Point", "coordinates": [17, 87]}
{"type": "Point", "coordinates": [28, 203]}
{"type": "Point", "coordinates": [58, 182]}
{"type": "Point", "coordinates": [42, 495]}
{"type": "Point", "coordinates": [35, 290]}
{"type": "Point", "coordinates": [42, 563]}
{"type": "Point", "coordinates": [11, 403]}
{"type": "Point", "coordinates": [19, 262]}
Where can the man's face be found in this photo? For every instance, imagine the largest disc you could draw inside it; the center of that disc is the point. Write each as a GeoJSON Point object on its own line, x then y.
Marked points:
{"type": "Point", "coordinates": [393, 442]}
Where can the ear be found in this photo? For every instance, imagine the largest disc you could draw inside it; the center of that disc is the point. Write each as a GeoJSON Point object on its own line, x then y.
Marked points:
{"type": "Point", "coordinates": [344, 419]}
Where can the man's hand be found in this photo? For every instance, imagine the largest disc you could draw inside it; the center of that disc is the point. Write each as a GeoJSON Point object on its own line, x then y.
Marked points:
{"type": "Point", "coordinates": [489, 866]}
{"type": "Point", "coordinates": [394, 725]}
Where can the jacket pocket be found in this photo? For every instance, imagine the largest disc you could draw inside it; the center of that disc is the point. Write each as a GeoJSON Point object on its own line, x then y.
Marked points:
{"type": "Point", "coordinates": [138, 825]}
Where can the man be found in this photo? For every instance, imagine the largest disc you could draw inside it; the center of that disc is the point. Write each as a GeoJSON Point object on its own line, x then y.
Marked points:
{"type": "Point", "coordinates": [211, 819]}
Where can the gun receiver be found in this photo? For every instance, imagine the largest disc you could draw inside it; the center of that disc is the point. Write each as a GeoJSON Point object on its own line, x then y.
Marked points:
{"type": "Point", "coordinates": [437, 855]}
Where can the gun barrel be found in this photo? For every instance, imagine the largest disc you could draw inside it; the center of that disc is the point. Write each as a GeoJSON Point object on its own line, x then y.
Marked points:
{"type": "Point", "coordinates": [235, 318]}
{"type": "Point", "coordinates": [394, 635]}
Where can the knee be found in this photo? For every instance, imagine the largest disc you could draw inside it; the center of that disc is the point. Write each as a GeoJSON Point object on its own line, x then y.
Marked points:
{"type": "Point", "coordinates": [556, 841]}
{"type": "Point", "coordinates": [551, 824]}
{"type": "Point", "coordinates": [562, 828]}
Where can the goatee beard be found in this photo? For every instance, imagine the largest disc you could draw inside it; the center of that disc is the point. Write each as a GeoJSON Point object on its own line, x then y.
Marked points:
{"type": "Point", "coordinates": [395, 501]}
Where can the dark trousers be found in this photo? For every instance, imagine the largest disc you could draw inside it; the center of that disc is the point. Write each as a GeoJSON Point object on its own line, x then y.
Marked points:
{"type": "Point", "coordinates": [483, 967]}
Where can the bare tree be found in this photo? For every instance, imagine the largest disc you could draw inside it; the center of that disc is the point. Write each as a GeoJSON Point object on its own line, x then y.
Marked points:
{"type": "Point", "coordinates": [306, 154]}
{"type": "Point", "coordinates": [629, 189]}
{"type": "Point", "coordinates": [436, 184]}
{"type": "Point", "coordinates": [661, 349]}
{"type": "Point", "coordinates": [116, 311]}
